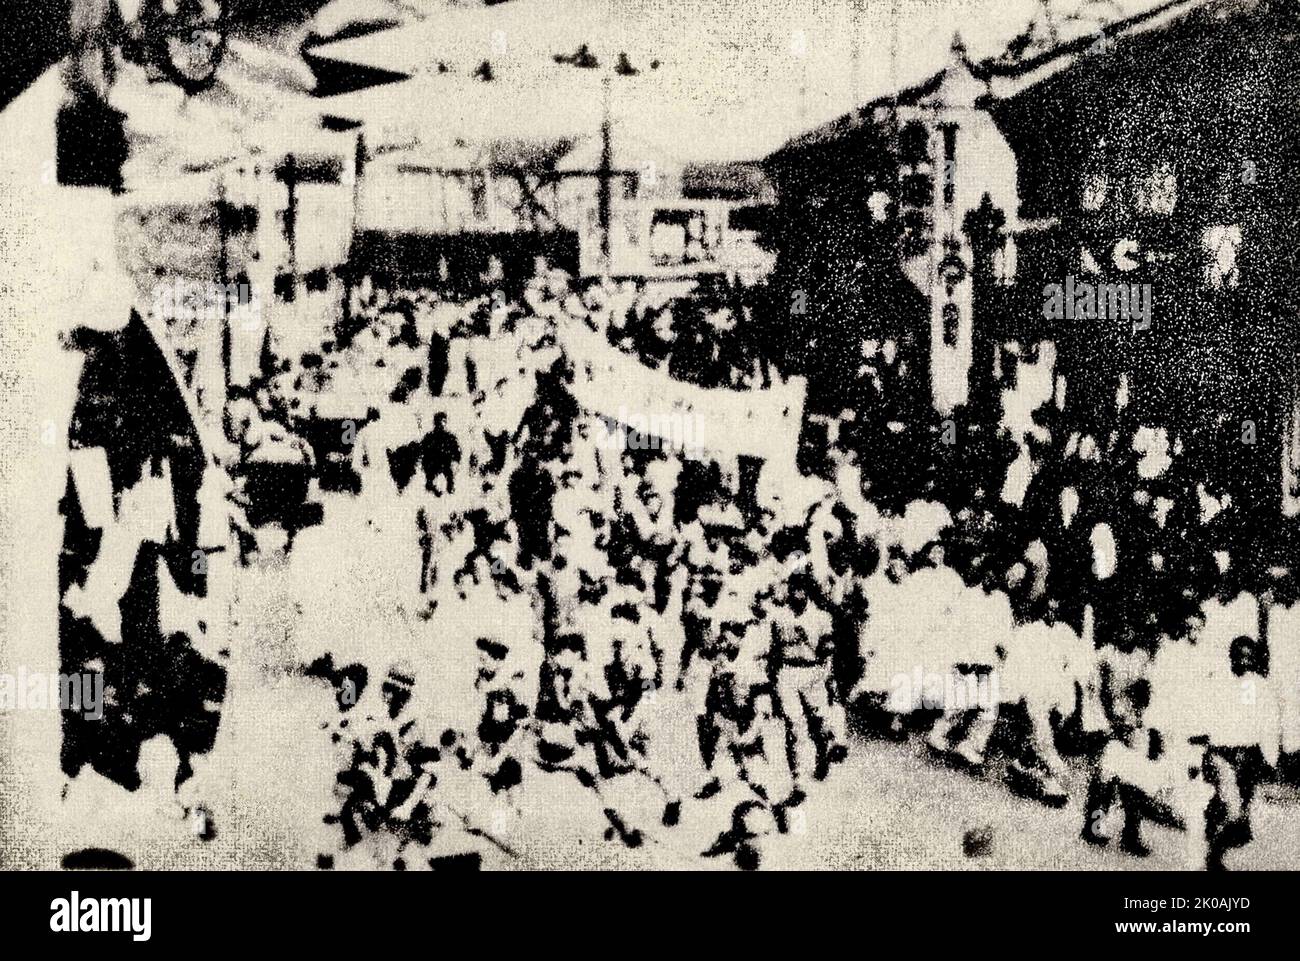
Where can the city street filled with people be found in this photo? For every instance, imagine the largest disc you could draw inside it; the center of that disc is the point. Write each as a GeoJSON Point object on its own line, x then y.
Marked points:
{"type": "Point", "coordinates": [695, 637]}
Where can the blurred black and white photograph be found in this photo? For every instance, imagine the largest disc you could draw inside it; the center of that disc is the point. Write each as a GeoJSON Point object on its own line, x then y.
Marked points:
{"type": "Point", "coordinates": [650, 435]}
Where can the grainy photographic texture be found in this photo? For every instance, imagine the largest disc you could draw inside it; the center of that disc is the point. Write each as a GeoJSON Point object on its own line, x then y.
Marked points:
{"type": "Point", "coordinates": [568, 433]}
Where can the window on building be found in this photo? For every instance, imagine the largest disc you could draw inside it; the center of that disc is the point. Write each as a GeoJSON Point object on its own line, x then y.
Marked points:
{"type": "Point", "coordinates": [913, 143]}
{"type": "Point", "coordinates": [1158, 191]}
{"type": "Point", "coordinates": [1095, 189]}
{"type": "Point", "coordinates": [1222, 243]}
{"type": "Point", "coordinates": [951, 324]}
{"type": "Point", "coordinates": [878, 204]}
{"type": "Point", "coordinates": [677, 236]}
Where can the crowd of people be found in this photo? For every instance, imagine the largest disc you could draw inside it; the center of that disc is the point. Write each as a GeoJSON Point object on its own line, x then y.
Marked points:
{"type": "Point", "coordinates": [686, 633]}
{"type": "Point", "coordinates": [701, 337]}
{"type": "Point", "coordinates": [1181, 736]}
{"type": "Point", "coordinates": [665, 588]}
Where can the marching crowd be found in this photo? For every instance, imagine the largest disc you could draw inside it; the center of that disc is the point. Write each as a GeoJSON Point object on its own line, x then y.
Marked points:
{"type": "Point", "coordinates": [702, 625]}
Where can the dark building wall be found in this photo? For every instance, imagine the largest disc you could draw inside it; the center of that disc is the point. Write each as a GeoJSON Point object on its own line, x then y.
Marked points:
{"type": "Point", "coordinates": [1214, 99]}
{"type": "Point", "coordinates": [838, 277]}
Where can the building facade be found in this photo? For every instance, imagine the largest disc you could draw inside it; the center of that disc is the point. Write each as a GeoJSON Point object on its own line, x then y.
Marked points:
{"type": "Point", "coordinates": [1139, 172]}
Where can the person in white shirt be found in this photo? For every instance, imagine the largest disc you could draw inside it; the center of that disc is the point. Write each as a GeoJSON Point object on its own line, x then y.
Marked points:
{"type": "Point", "coordinates": [1244, 745]}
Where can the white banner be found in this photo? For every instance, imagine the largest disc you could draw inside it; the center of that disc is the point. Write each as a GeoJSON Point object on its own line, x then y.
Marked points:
{"type": "Point", "coordinates": [760, 423]}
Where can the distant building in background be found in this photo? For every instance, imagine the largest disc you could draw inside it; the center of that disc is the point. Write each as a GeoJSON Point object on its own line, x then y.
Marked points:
{"type": "Point", "coordinates": [440, 215]}
{"type": "Point", "coordinates": [666, 217]}
{"type": "Point", "coordinates": [630, 210]}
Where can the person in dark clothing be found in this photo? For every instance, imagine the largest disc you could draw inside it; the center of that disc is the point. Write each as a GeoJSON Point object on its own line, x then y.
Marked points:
{"type": "Point", "coordinates": [438, 363]}
{"type": "Point", "coordinates": [440, 452]}
{"type": "Point", "coordinates": [652, 338]}
{"type": "Point", "coordinates": [532, 490]}
{"type": "Point", "coordinates": [692, 358]}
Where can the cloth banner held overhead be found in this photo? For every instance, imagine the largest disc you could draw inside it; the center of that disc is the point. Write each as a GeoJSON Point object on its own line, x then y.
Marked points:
{"type": "Point", "coordinates": [762, 423]}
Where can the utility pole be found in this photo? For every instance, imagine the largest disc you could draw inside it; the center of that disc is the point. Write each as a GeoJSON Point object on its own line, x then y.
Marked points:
{"type": "Point", "coordinates": [291, 214]}
{"type": "Point", "coordinates": [604, 195]}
